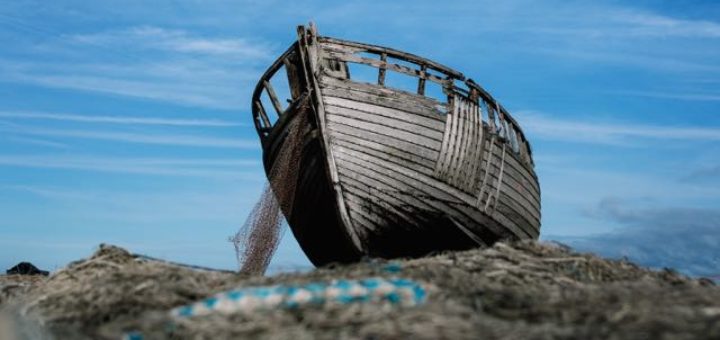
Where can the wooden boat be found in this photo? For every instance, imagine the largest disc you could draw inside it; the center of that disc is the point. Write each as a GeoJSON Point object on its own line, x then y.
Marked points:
{"type": "Point", "coordinates": [387, 172]}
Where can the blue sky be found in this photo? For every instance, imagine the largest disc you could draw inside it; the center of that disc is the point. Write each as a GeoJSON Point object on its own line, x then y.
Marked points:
{"type": "Point", "coordinates": [127, 122]}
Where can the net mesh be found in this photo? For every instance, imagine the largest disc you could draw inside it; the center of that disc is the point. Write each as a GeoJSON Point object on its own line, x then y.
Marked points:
{"type": "Point", "coordinates": [258, 239]}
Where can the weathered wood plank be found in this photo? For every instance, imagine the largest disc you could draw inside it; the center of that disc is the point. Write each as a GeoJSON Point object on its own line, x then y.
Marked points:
{"type": "Point", "coordinates": [526, 193]}
{"type": "Point", "coordinates": [406, 136]}
{"type": "Point", "coordinates": [443, 201]}
{"type": "Point", "coordinates": [369, 186]}
{"type": "Point", "coordinates": [520, 211]}
{"type": "Point", "coordinates": [387, 112]}
{"type": "Point", "coordinates": [362, 216]}
{"type": "Point", "coordinates": [386, 119]}
{"type": "Point", "coordinates": [377, 95]}
{"type": "Point", "coordinates": [509, 216]}
{"type": "Point", "coordinates": [368, 190]}
{"type": "Point", "coordinates": [517, 164]}
{"type": "Point", "coordinates": [522, 177]}
{"type": "Point", "coordinates": [519, 195]}
{"type": "Point", "coordinates": [521, 168]}
{"type": "Point", "coordinates": [388, 154]}
{"type": "Point", "coordinates": [390, 141]}
{"type": "Point", "coordinates": [370, 204]}
{"type": "Point", "coordinates": [410, 181]}
{"type": "Point", "coordinates": [372, 190]}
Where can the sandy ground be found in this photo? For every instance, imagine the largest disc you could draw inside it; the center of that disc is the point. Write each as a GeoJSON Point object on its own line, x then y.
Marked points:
{"type": "Point", "coordinates": [7, 328]}
{"type": "Point", "coordinates": [509, 291]}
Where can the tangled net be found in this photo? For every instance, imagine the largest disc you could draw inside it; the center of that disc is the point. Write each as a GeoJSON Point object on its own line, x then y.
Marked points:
{"type": "Point", "coordinates": [258, 239]}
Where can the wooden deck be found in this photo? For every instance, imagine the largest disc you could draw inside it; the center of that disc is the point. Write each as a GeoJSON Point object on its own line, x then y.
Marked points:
{"type": "Point", "coordinates": [389, 173]}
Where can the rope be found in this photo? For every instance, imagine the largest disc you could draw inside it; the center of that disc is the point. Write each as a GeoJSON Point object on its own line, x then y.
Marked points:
{"type": "Point", "coordinates": [396, 291]}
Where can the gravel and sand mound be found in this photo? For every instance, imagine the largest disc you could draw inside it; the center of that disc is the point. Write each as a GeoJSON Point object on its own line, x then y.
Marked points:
{"type": "Point", "coordinates": [525, 290]}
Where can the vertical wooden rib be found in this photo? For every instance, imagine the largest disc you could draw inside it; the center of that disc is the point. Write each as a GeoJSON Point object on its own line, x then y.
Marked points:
{"type": "Point", "coordinates": [491, 119]}
{"type": "Point", "coordinates": [493, 198]}
{"type": "Point", "coordinates": [421, 81]}
{"type": "Point", "coordinates": [443, 161]}
{"type": "Point", "coordinates": [460, 157]}
{"type": "Point", "coordinates": [381, 72]}
{"type": "Point", "coordinates": [470, 141]}
{"type": "Point", "coordinates": [273, 97]}
{"type": "Point", "coordinates": [293, 76]}
{"type": "Point", "coordinates": [488, 167]}
{"type": "Point", "coordinates": [263, 114]}
{"type": "Point", "coordinates": [452, 149]}
{"type": "Point", "coordinates": [457, 156]}
{"type": "Point", "coordinates": [473, 158]}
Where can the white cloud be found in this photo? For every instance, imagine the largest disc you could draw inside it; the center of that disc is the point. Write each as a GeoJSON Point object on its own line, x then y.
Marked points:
{"type": "Point", "coordinates": [151, 37]}
{"type": "Point", "coordinates": [647, 24]}
{"type": "Point", "coordinates": [544, 127]}
{"type": "Point", "coordinates": [36, 141]}
{"type": "Point", "coordinates": [710, 97]}
{"type": "Point", "coordinates": [211, 168]}
{"type": "Point", "coordinates": [138, 138]}
{"type": "Point", "coordinates": [146, 62]}
{"type": "Point", "coordinates": [176, 91]}
{"type": "Point", "coordinates": [119, 119]}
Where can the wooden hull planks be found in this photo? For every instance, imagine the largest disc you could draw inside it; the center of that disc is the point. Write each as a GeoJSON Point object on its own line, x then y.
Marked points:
{"type": "Point", "coordinates": [390, 173]}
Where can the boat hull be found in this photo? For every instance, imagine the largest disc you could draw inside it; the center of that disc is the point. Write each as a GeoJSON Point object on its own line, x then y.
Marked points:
{"type": "Point", "coordinates": [390, 173]}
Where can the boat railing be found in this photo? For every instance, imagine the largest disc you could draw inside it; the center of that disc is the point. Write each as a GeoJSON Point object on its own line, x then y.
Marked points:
{"type": "Point", "coordinates": [266, 95]}
{"type": "Point", "coordinates": [455, 85]}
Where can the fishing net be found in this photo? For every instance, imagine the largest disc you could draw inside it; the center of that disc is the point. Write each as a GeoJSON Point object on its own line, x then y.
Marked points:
{"type": "Point", "coordinates": [256, 242]}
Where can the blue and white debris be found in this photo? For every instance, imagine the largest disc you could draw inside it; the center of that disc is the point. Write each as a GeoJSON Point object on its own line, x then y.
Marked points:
{"type": "Point", "coordinates": [396, 291]}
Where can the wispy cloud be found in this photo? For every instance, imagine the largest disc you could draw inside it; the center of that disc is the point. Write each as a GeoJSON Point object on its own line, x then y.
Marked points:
{"type": "Point", "coordinates": [579, 42]}
{"type": "Point", "coordinates": [614, 35]}
{"type": "Point", "coordinates": [119, 119]}
{"type": "Point", "coordinates": [647, 24]}
{"type": "Point", "coordinates": [212, 93]}
{"type": "Point", "coordinates": [545, 127]}
{"type": "Point", "coordinates": [211, 168]}
{"type": "Point", "coordinates": [151, 37]}
{"type": "Point", "coordinates": [710, 97]}
{"type": "Point", "coordinates": [36, 141]}
{"type": "Point", "coordinates": [603, 22]}
{"type": "Point", "coordinates": [137, 138]}
{"type": "Point", "coordinates": [146, 62]}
